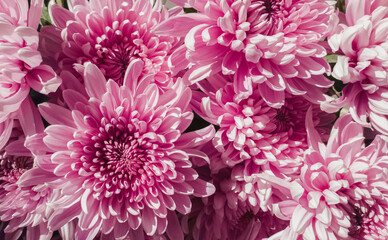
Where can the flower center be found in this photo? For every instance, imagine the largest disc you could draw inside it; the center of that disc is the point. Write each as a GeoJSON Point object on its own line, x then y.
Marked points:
{"type": "Point", "coordinates": [12, 167]}
{"type": "Point", "coordinates": [357, 221]}
{"type": "Point", "coordinates": [123, 155]}
{"type": "Point", "coordinates": [270, 6]}
{"type": "Point", "coordinates": [113, 55]}
{"type": "Point", "coordinates": [266, 16]}
{"type": "Point", "coordinates": [244, 220]}
{"type": "Point", "coordinates": [117, 158]}
{"type": "Point", "coordinates": [282, 120]}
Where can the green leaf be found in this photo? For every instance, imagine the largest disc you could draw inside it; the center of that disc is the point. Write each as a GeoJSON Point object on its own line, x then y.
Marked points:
{"type": "Point", "coordinates": [331, 58]}
{"type": "Point", "coordinates": [45, 18]}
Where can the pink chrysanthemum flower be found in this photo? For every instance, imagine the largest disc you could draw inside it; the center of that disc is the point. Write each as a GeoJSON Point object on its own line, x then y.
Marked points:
{"type": "Point", "coordinates": [271, 45]}
{"type": "Point", "coordinates": [368, 191]}
{"type": "Point", "coordinates": [254, 133]}
{"type": "Point", "coordinates": [111, 34]}
{"type": "Point", "coordinates": [27, 205]}
{"type": "Point", "coordinates": [362, 45]}
{"type": "Point", "coordinates": [227, 215]}
{"type": "Point", "coordinates": [342, 192]}
{"type": "Point", "coordinates": [11, 168]}
{"type": "Point", "coordinates": [20, 61]}
{"type": "Point", "coordinates": [121, 157]}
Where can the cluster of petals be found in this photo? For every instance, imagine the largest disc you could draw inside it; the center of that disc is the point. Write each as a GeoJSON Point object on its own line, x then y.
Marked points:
{"type": "Point", "coordinates": [361, 41]}
{"type": "Point", "coordinates": [269, 45]}
{"type": "Point", "coordinates": [342, 191]}
{"type": "Point", "coordinates": [255, 134]}
{"type": "Point", "coordinates": [20, 60]}
{"type": "Point", "coordinates": [23, 204]}
{"type": "Point", "coordinates": [120, 156]}
{"type": "Point", "coordinates": [230, 214]}
{"type": "Point", "coordinates": [110, 34]}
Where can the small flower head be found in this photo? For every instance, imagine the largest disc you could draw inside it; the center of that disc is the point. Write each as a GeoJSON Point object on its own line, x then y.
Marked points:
{"type": "Point", "coordinates": [111, 35]}
{"type": "Point", "coordinates": [254, 133]}
{"type": "Point", "coordinates": [22, 204]}
{"type": "Point", "coordinates": [20, 60]}
{"type": "Point", "coordinates": [230, 214]}
{"type": "Point", "coordinates": [342, 191]}
{"type": "Point", "coordinates": [361, 43]}
{"type": "Point", "coordinates": [271, 45]}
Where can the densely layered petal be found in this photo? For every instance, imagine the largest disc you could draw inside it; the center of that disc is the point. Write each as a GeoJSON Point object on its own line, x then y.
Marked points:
{"type": "Point", "coordinates": [110, 35]}
{"type": "Point", "coordinates": [20, 60]}
{"type": "Point", "coordinates": [342, 191]}
{"type": "Point", "coordinates": [361, 42]}
{"type": "Point", "coordinates": [273, 43]}
{"type": "Point", "coordinates": [119, 153]}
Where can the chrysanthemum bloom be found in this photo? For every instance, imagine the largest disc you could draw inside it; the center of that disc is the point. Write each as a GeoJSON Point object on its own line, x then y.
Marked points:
{"type": "Point", "coordinates": [121, 157]}
{"type": "Point", "coordinates": [254, 133]}
{"type": "Point", "coordinates": [111, 34]}
{"type": "Point", "coordinates": [26, 206]}
{"type": "Point", "coordinates": [225, 215]}
{"type": "Point", "coordinates": [342, 192]}
{"type": "Point", "coordinates": [368, 191]}
{"type": "Point", "coordinates": [273, 43]}
{"type": "Point", "coordinates": [362, 46]}
{"type": "Point", "coordinates": [20, 61]}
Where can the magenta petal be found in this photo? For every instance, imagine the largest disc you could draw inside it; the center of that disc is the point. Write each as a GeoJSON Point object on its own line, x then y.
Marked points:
{"type": "Point", "coordinates": [72, 97]}
{"type": "Point", "coordinates": [314, 139]}
{"type": "Point", "coordinates": [274, 98]}
{"type": "Point", "coordinates": [55, 114]}
{"type": "Point", "coordinates": [180, 25]}
{"type": "Point", "coordinates": [121, 230]}
{"type": "Point", "coordinates": [174, 230]}
{"type": "Point", "coordinates": [287, 208]}
{"type": "Point", "coordinates": [58, 219]}
{"type": "Point", "coordinates": [29, 118]}
{"type": "Point", "coordinates": [94, 81]}
{"type": "Point", "coordinates": [183, 203]}
{"type": "Point", "coordinates": [196, 138]}
{"type": "Point", "coordinates": [202, 188]}
{"type": "Point", "coordinates": [34, 13]}
{"type": "Point", "coordinates": [177, 60]}
{"type": "Point", "coordinates": [149, 221]}
{"type": "Point", "coordinates": [6, 129]}
{"type": "Point", "coordinates": [60, 16]}
{"type": "Point", "coordinates": [30, 56]}
{"type": "Point", "coordinates": [132, 74]}
{"type": "Point", "coordinates": [38, 232]}
{"type": "Point", "coordinates": [43, 79]}
{"type": "Point", "coordinates": [34, 177]}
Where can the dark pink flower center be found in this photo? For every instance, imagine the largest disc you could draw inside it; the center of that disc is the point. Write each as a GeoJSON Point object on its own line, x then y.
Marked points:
{"type": "Point", "coordinates": [367, 220]}
{"type": "Point", "coordinates": [123, 155]}
{"type": "Point", "coordinates": [357, 220]}
{"type": "Point", "coordinates": [283, 120]}
{"type": "Point", "coordinates": [12, 167]}
{"type": "Point", "coordinates": [114, 54]}
{"type": "Point", "coordinates": [244, 220]}
{"type": "Point", "coordinates": [271, 6]}
{"type": "Point", "coordinates": [118, 159]}
{"type": "Point", "coordinates": [266, 16]}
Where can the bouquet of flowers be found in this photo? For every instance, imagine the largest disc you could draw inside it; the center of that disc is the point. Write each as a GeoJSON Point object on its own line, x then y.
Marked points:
{"type": "Point", "coordinates": [194, 119]}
